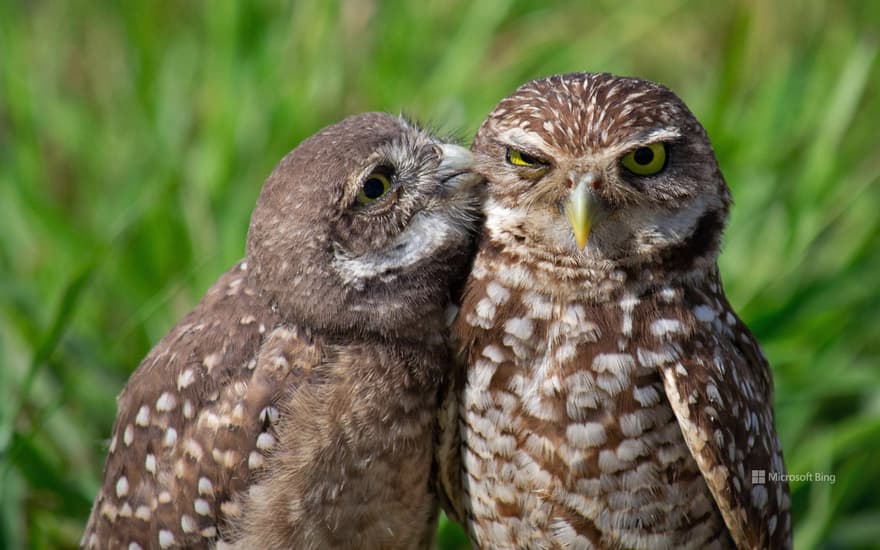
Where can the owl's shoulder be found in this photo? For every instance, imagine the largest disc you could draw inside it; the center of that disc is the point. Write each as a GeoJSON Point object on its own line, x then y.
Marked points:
{"type": "Point", "coordinates": [196, 420]}
{"type": "Point", "coordinates": [221, 334]}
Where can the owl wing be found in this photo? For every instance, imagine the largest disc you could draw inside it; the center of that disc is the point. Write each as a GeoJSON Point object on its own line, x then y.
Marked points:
{"type": "Point", "coordinates": [195, 422]}
{"type": "Point", "coordinates": [722, 396]}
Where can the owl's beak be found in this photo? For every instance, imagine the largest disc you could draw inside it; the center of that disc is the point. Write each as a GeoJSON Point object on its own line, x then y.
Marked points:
{"type": "Point", "coordinates": [456, 164]}
{"type": "Point", "coordinates": [582, 209]}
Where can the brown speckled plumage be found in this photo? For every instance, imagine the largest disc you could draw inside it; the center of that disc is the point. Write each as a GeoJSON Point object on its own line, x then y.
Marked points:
{"type": "Point", "coordinates": [295, 406]}
{"type": "Point", "coordinates": [612, 398]}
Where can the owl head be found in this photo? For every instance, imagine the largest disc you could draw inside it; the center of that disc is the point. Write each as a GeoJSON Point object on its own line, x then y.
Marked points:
{"type": "Point", "coordinates": [365, 226]}
{"type": "Point", "coordinates": [595, 169]}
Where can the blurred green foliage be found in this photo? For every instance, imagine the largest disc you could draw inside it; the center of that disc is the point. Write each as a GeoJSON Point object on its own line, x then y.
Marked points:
{"type": "Point", "coordinates": [134, 138]}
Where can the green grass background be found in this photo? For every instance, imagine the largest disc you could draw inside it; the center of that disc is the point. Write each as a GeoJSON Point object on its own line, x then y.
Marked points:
{"type": "Point", "coordinates": [134, 138]}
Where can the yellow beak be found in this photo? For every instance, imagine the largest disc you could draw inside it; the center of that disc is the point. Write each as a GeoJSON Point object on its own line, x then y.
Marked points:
{"type": "Point", "coordinates": [581, 211]}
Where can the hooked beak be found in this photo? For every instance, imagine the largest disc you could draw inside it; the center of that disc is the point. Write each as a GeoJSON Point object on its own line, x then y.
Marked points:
{"type": "Point", "coordinates": [582, 209]}
{"type": "Point", "coordinates": [455, 170]}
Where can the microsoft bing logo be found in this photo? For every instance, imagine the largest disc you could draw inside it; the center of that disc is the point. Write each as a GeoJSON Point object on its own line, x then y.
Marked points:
{"type": "Point", "coordinates": [759, 477]}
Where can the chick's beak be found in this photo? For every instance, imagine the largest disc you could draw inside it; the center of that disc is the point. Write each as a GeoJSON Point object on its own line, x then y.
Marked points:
{"type": "Point", "coordinates": [582, 209]}
{"type": "Point", "coordinates": [455, 170]}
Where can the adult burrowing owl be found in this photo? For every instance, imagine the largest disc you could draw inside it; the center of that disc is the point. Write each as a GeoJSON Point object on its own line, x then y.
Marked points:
{"type": "Point", "coordinates": [612, 398]}
{"type": "Point", "coordinates": [295, 406]}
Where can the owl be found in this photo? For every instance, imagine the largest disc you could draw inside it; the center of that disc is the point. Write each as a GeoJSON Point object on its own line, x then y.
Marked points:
{"type": "Point", "coordinates": [295, 406]}
{"type": "Point", "coordinates": [612, 398]}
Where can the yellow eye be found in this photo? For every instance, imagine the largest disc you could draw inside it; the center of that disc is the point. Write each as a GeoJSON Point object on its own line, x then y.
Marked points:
{"type": "Point", "coordinates": [647, 160]}
{"type": "Point", "coordinates": [374, 188]}
{"type": "Point", "coordinates": [518, 158]}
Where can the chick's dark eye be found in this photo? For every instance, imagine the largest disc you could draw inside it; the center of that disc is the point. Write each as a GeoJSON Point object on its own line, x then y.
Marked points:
{"type": "Point", "coordinates": [374, 187]}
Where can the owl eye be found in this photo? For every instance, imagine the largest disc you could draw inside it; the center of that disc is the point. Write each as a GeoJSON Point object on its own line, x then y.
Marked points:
{"type": "Point", "coordinates": [518, 158]}
{"type": "Point", "coordinates": [647, 160]}
{"type": "Point", "coordinates": [374, 187]}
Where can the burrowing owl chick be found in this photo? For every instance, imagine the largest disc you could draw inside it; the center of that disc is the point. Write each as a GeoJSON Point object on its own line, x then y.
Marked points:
{"type": "Point", "coordinates": [294, 406]}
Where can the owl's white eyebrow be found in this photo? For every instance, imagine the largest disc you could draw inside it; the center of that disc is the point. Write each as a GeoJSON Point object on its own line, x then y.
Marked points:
{"type": "Point", "coordinates": [655, 135]}
{"type": "Point", "coordinates": [521, 138]}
